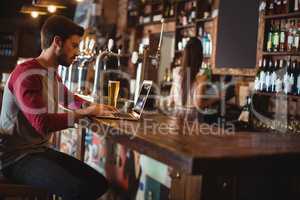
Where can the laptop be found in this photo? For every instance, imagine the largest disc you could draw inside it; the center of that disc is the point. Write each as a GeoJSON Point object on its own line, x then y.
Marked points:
{"type": "Point", "coordinates": [138, 108]}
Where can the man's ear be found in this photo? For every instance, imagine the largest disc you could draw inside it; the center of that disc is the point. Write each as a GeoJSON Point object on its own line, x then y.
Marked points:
{"type": "Point", "coordinates": [57, 41]}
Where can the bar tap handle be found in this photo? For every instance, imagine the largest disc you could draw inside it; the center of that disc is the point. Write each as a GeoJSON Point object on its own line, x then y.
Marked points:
{"type": "Point", "coordinates": [161, 36]}
{"type": "Point", "coordinates": [91, 47]}
{"type": "Point", "coordinates": [81, 48]}
{"type": "Point", "coordinates": [110, 45]}
{"type": "Point", "coordinates": [157, 56]}
{"type": "Point", "coordinates": [135, 57]}
{"type": "Point", "coordinates": [119, 58]}
{"type": "Point", "coordinates": [140, 72]}
{"type": "Point", "coordinates": [80, 86]}
{"type": "Point", "coordinates": [97, 78]}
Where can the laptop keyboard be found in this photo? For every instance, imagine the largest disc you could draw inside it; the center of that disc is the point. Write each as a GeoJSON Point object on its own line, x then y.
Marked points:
{"type": "Point", "coordinates": [123, 115]}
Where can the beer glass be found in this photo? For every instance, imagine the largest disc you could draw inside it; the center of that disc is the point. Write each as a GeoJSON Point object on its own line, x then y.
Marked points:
{"type": "Point", "coordinates": [113, 92]}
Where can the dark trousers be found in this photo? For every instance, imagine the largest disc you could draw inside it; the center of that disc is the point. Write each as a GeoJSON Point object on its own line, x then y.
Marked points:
{"type": "Point", "coordinates": [59, 174]}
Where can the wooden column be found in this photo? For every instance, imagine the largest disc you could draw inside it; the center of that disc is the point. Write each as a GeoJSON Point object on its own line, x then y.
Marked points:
{"type": "Point", "coordinates": [185, 187]}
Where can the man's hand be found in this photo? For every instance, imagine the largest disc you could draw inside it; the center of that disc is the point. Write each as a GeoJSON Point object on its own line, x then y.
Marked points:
{"type": "Point", "coordinates": [99, 109]}
{"type": "Point", "coordinates": [94, 110]}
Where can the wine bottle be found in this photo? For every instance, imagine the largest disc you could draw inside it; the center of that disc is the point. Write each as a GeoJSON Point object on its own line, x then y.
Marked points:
{"type": "Point", "coordinates": [270, 38]}
{"type": "Point", "coordinates": [282, 45]}
{"type": "Point", "coordinates": [275, 42]}
{"type": "Point", "coordinates": [270, 7]}
{"type": "Point", "coordinates": [290, 37]}
{"type": "Point", "coordinates": [296, 5]}
{"type": "Point", "coordinates": [262, 75]}
{"type": "Point", "coordinates": [284, 6]}
{"type": "Point", "coordinates": [246, 114]}
{"type": "Point", "coordinates": [274, 76]}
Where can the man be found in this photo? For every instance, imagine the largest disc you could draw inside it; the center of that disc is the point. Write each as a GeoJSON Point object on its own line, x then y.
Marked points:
{"type": "Point", "coordinates": [29, 116]}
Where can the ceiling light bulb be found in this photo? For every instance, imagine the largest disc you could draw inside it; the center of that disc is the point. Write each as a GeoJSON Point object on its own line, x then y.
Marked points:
{"type": "Point", "coordinates": [79, 0]}
{"type": "Point", "coordinates": [51, 8]}
{"type": "Point", "coordinates": [34, 14]}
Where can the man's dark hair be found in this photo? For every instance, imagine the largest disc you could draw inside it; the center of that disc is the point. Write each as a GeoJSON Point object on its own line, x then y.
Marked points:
{"type": "Point", "coordinates": [58, 26]}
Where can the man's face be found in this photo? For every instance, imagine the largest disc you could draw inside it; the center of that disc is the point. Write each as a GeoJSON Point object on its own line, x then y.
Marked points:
{"type": "Point", "coordinates": [69, 50]}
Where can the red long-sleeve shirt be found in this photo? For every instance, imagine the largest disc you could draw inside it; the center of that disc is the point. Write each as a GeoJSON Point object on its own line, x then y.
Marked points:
{"type": "Point", "coordinates": [26, 84]}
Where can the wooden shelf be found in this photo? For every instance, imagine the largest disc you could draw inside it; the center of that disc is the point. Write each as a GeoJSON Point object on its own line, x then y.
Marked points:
{"type": "Point", "coordinates": [185, 26]}
{"type": "Point", "coordinates": [172, 19]}
{"type": "Point", "coordinates": [289, 96]}
{"type": "Point", "coordinates": [204, 19]}
{"type": "Point", "coordinates": [284, 53]}
{"type": "Point", "coordinates": [286, 15]}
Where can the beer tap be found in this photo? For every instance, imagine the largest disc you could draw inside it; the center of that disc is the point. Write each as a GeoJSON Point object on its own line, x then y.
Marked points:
{"type": "Point", "coordinates": [142, 59]}
{"type": "Point", "coordinates": [157, 56]}
{"type": "Point", "coordinates": [87, 58]}
{"type": "Point", "coordinates": [97, 74]}
{"type": "Point", "coordinates": [102, 55]}
{"type": "Point", "coordinates": [155, 59]}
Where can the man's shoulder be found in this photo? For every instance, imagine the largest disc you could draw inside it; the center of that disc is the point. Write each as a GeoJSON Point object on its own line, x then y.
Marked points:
{"type": "Point", "coordinates": [26, 70]}
{"type": "Point", "coordinates": [27, 65]}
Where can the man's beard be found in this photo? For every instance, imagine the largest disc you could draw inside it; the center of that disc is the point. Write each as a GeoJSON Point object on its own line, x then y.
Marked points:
{"type": "Point", "coordinates": [62, 59]}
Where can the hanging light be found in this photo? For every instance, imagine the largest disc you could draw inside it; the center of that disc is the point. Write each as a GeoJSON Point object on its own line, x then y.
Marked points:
{"type": "Point", "coordinates": [51, 8]}
{"type": "Point", "coordinates": [33, 11]}
{"type": "Point", "coordinates": [34, 14]}
{"type": "Point", "coordinates": [51, 5]}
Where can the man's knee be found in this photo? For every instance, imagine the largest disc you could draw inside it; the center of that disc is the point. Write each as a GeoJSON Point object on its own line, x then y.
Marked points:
{"type": "Point", "coordinates": [94, 189]}
{"type": "Point", "coordinates": [102, 187]}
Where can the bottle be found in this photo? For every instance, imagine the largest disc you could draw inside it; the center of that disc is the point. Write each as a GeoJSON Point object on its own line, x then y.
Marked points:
{"type": "Point", "coordinates": [205, 44]}
{"type": "Point", "coordinates": [273, 77]}
{"type": "Point", "coordinates": [282, 40]}
{"type": "Point", "coordinates": [171, 13]}
{"type": "Point", "coordinates": [268, 77]}
{"type": "Point", "coordinates": [200, 33]}
{"type": "Point", "coordinates": [277, 6]}
{"type": "Point", "coordinates": [260, 67]}
{"type": "Point", "coordinates": [246, 115]}
{"type": "Point", "coordinates": [293, 77]}
{"type": "Point", "coordinates": [286, 78]}
{"type": "Point", "coordinates": [284, 6]}
{"type": "Point", "coordinates": [193, 13]}
{"type": "Point", "coordinates": [296, 74]}
{"type": "Point", "coordinates": [270, 10]}
{"type": "Point", "coordinates": [290, 37]}
{"type": "Point", "coordinates": [262, 76]}
{"type": "Point", "coordinates": [278, 84]}
{"type": "Point", "coordinates": [297, 37]}
{"type": "Point", "coordinates": [257, 78]}
{"type": "Point", "coordinates": [275, 41]}
{"type": "Point", "coordinates": [298, 80]}
{"type": "Point", "coordinates": [209, 45]}
{"type": "Point", "coordinates": [296, 5]}
{"type": "Point", "coordinates": [280, 68]}
{"type": "Point", "coordinates": [270, 38]}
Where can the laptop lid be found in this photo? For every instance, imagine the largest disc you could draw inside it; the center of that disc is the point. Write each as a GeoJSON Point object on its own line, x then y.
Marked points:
{"type": "Point", "coordinates": [142, 98]}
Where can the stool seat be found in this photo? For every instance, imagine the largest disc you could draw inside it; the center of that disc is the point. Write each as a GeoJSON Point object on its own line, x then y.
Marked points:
{"type": "Point", "coordinates": [8, 189]}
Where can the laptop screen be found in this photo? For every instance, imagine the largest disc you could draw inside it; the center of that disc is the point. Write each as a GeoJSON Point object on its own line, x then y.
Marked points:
{"type": "Point", "coordinates": [142, 98]}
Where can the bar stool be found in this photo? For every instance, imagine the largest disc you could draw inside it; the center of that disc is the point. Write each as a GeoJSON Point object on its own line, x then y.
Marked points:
{"type": "Point", "coordinates": [21, 192]}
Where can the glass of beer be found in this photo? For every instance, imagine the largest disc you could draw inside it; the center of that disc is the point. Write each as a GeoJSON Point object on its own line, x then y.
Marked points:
{"type": "Point", "coordinates": [113, 92]}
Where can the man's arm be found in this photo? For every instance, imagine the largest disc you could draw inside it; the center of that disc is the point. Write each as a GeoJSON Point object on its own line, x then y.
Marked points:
{"type": "Point", "coordinates": [70, 100]}
{"type": "Point", "coordinates": [29, 95]}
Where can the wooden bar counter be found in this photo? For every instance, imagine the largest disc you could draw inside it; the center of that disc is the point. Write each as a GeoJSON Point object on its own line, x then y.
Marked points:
{"type": "Point", "coordinates": [194, 149]}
